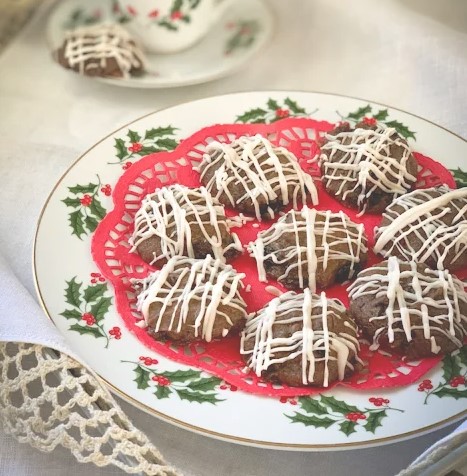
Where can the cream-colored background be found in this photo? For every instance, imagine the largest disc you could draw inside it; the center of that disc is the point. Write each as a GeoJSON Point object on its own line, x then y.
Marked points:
{"type": "Point", "coordinates": [411, 54]}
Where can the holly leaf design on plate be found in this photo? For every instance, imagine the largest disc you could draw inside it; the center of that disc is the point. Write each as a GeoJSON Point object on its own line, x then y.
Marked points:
{"type": "Point", "coordinates": [159, 132]}
{"type": "Point", "coordinates": [252, 116]}
{"type": "Point", "coordinates": [359, 113]}
{"type": "Point", "coordinates": [381, 115]}
{"type": "Point", "coordinates": [181, 375]}
{"type": "Point", "coordinates": [293, 106]}
{"type": "Point", "coordinates": [311, 405]}
{"type": "Point", "coordinates": [338, 406]}
{"type": "Point", "coordinates": [374, 420]}
{"type": "Point", "coordinates": [120, 146]}
{"type": "Point", "coordinates": [193, 396]}
{"type": "Point", "coordinates": [402, 129]}
{"type": "Point", "coordinates": [71, 202]}
{"type": "Point", "coordinates": [460, 177]}
{"type": "Point", "coordinates": [72, 292]}
{"type": "Point", "coordinates": [89, 188]}
{"type": "Point", "coordinates": [142, 377]}
{"type": "Point", "coordinates": [462, 355]}
{"type": "Point", "coordinates": [100, 308]}
{"type": "Point", "coordinates": [348, 427]}
{"type": "Point", "coordinates": [94, 331]}
{"type": "Point", "coordinates": [76, 223]}
{"type": "Point", "coordinates": [91, 223]}
{"type": "Point", "coordinates": [311, 420]}
{"type": "Point", "coordinates": [92, 292]}
{"type": "Point", "coordinates": [97, 209]}
{"type": "Point", "coordinates": [133, 136]}
{"type": "Point", "coordinates": [451, 367]}
{"type": "Point", "coordinates": [204, 384]}
{"type": "Point", "coordinates": [162, 392]}
{"type": "Point", "coordinates": [451, 392]}
{"type": "Point", "coordinates": [71, 314]}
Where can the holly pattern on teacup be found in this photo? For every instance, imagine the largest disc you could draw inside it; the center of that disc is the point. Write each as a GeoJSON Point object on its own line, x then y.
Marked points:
{"type": "Point", "coordinates": [273, 111]}
{"type": "Point", "coordinates": [137, 145]}
{"type": "Point", "coordinates": [372, 116]}
{"type": "Point", "coordinates": [87, 210]}
{"type": "Point", "coordinates": [243, 36]}
{"type": "Point", "coordinates": [460, 177]}
{"type": "Point", "coordinates": [454, 380]}
{"type": "Point", "coordinates": [188, 384]}
{"type": "Point", "coordinates": [325, 411]}
{"type": "Point", "coordinates": [81, 17]}
{"type": "Point", "coordinates": [179, 13]}
{"type": "Point", "coordinates": [88, 306]}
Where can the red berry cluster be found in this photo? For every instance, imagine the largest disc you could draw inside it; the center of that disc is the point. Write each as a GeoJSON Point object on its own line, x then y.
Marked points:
{"type": "Point", "coordinates": [355, 416]}
{"type": "Point", "coordinates": [291, 400]}
{"type": "Point", "coordinates": [176, 15]}
{"type": "Point", "coordinates": [425, 385]}
{"type": "Point", "coordinates": [457, 380]}
{"type": "Point", "coordinates": [97, 277]}
{"type": "Point", "coordinates": [88, 318]}
{"type": "Point", "coordinates": [131, 10]}
{"type": "Point", "coordinates": [153, 14]}
{"type": "Point", "coordinates": [161, 380]}
{"type": "Point", "coordinates": [116, 332]}
{"type": "Point", "coordinates": [107, 190]}
{"type": "Point", "coordinates": [148, 360]}
{"type": "Point", "coordinates": [369, 121]}
{"type": "Point", "coordinates": [126, 165]}
{"type": "Point", "coordinates": [86, 200]}
{"type": "Point", "coordinates": [135, 147]}
{"type": "Point", "coordinates": [282, 113]}
{"type": "Point", "coordinates": [228, 386]}
{"type": "Point", "coordinates": [378, 401]}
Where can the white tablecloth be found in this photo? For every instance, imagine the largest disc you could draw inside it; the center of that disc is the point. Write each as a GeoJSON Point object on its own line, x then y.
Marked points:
{"type": "Point", "coordinates": [411, 54]}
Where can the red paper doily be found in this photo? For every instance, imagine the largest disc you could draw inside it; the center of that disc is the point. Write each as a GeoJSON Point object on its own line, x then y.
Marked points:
{"type": "Point", "coordinates": [110, 251]}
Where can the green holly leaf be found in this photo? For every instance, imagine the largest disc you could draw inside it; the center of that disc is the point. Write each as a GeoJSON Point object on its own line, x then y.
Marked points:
{"type": "Point", "coordinates": [462, 355]}
{"type": "Point", "coordinates": [199, 397]}
{"type": "Point", "coordinates": [338, 406]}
{"type": "Point", "coordinates": [133, 136]}
{"type": "Point", "coordinates": [91, 223]}
{"type": "Point", "coordinates": [121, 148]}
{"type": "Point", "coordinates": [381, 115]}
{"type": "Point", "coordinates": [87, 330]}
{"type": "Point", "coordinates": [176, 6]}
{"type": "Point", "coordinates": [89, 188]}
{"type": "Point", "coordinates": [100, 308]}
{"type": "Point", "coordinates": [451, 367]}
{"type": "Point", "coordinates": [72, 202]}
{"type": "Point", "coordinates": [194, 3]}
{"type": "Point", "coordinates": [348, 427]}
{"type": "Point", "coordinates": [451, 392]}
{"type": "Point", "coordinates": [76, 222]}
{"type": "Point", "coordinates": [142, 377]}
{"type": "Point", "coordinates": [374, 420]}
{"type": "Point", "coordinates": [359, 113]}
{"type": "Point", "coordinates": [71, 314]}
{"type": "Point", "coordinates": [204, 384]}
{"type": "Point", "coordinates": [312, 420]}
{"type": "Point", "coordinates": [273, 105]}
{"type": "Point", "coordinates": [147, 149]}
{"type": "Point", "coordinates": [159, 132]}
{"type": "Point", "coordinates": [460, 177]}
{"type": "Point", "coordinates": [185, 18]}
{"type": "Point", "coordinates": [310, 405]}
{"type": "Point", "coordinates": [166, 143]}
{"type": "Point", "coordinates": [401, 129]}
{"type": "Point", "coordinates": [168, 25]}
{"type": "Point", "coordinates": [182, 375]}
{"type": "Point", "coordinates": [97, 209]}
{"type": "Point", "coordinates": [94, 291]}
{"type": "Point", "coordinates": [293, 106]}
{"type": "Point", "coordinates": [162, 392]}
{"type": "Point", "coordinates": [73, 293]}
{"type": "Point", "coordinates": [252, 115]}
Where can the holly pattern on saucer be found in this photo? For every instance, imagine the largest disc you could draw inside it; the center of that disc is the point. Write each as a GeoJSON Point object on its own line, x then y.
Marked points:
{"type": "Point", "coordinates": [188, 384]}
{"type": "Point", "coordinates": [243, 36]}
{"type": "Point", "coordinates": [325, 411]}
{"type": "Point", "coordinates": [87, 308]}
{"type": "Point", "coordinates": [81, 17]}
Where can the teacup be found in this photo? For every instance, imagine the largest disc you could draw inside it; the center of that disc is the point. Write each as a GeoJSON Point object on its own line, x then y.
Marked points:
{"type": "Point", "coordinates": [168, 26]}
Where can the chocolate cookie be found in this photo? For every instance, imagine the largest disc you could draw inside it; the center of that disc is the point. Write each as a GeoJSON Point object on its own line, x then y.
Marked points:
{"type": "Point", "coordinates": [105, 50]}
{"type": "Point", "coordinates": [253, 176]}
{"type": "Point", "coordinates": [179, 221]}
{"type": "Point", "coordinates": [301, 339]}
{"type": "Point", "coordinates": [428, 226]}
{"type": "Point", "coordinates": [366, 168]}
{"type": "Point", "coordinates": [410, 308]}
{"type": "Point", "coordinates": [308, 248]}
{"type": "Point", "coordinates": [192, 299]}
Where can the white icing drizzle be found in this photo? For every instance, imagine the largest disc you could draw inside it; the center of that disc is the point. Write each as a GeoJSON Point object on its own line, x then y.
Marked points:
{"type": "Point", "coordinates": [184, 285]}
{"type": "Point", "coordinates": [171, 212]}
{"type": "Point", "coordinates": [100, 43]}
{"type": "Point", "coordinates": [308, 343]}
{"type": "Point", "coordinates": [421, 217]}
{"type": "Point", "coordinates": [325, 233]}
{"type": "Point", "coordinates": [246, 164]}
{"type": "Point", "coordinates": [365, 164]}
{"type": "Point", "coordinates": [406, 302]}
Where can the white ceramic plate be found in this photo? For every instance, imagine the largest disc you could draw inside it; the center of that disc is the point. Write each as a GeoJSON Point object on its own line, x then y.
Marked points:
{"type": "Point", "coordinates": [62, 261]}
{"type": "Point", "coordinates": [243, 30]}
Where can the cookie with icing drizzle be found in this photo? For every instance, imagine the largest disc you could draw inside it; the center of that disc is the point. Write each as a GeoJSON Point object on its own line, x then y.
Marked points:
{"type": "Point", "coordinates": [410, 308]}
{"type": "Point", "coordinates": [428, 226]}
{"type": "Point", "coordinates": [366, 168]}
{"type": "Point", "coordinates": [253, 176]}
{"type": "Point", "coordinates": [310, 248]}
{"type": "Point", "coordinates": [191, 299]}
{"type": "Point", "coordinates": [105, 50]}
{"type": "Point", "coordinates": [179, 221]}
{"type": "Point", "coordinates": [301, 339]}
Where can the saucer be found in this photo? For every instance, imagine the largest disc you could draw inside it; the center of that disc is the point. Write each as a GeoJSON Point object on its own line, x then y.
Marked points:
{"type": "Point", "coordinates": [243, 30]}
